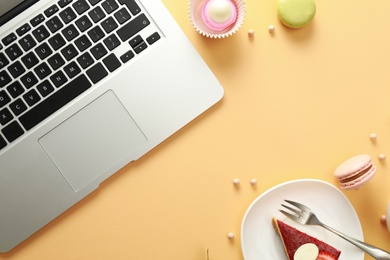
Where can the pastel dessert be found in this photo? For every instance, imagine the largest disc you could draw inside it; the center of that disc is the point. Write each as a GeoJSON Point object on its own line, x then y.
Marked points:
{"type": "Point", "coordinates": [217, 19]}
{"type": "Point", "coordinates": [219, 14]}
{"type": "Point", "coordinates": [355, 171]}
{"type": "Point", "coordinates": [299, 245]}
{"type": "Point", "coordinates": [296, 13]}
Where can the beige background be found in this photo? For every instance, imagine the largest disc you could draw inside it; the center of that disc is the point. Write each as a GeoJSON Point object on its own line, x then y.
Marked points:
{"type": "Point", "coordinates": [297, 103]}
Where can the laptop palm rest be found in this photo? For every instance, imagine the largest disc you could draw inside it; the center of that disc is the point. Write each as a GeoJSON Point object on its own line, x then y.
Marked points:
{"type": "Point", "coordinates": [79, 147]}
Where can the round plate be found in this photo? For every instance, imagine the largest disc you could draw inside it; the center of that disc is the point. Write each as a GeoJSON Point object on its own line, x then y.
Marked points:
{"type": "Point", "coordinates": [260, 241]}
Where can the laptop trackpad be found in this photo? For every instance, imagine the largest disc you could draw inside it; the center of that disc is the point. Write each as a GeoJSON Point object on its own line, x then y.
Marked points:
{"type": "Point", "coordinates": [90, 142]}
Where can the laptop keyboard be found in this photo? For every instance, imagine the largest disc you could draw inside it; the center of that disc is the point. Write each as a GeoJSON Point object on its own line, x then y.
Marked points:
{"type": "Point", "coordinates": [62, 52]}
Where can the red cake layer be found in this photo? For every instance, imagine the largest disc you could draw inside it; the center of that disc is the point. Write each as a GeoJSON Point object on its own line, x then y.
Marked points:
{"type": "Point", "coordinates": [292, 239]}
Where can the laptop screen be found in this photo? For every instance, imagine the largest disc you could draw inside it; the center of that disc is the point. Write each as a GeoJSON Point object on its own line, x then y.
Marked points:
{"type": "Point", "coordinates": [11, 8]}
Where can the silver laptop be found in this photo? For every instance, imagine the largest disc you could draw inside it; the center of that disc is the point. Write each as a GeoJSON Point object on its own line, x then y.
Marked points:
{"type": "Point", "coordinates": [86, 87]}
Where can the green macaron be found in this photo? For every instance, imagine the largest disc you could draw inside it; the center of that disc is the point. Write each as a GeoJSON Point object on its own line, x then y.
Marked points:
{"type": "Point", "coordinates": [296, 13]}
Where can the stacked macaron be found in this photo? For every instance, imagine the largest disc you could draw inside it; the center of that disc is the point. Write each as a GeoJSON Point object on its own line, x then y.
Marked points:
{"type": "Point", "coordinates": [355, 171]}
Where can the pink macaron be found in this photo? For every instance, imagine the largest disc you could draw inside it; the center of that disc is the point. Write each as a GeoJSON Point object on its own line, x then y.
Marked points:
{"type": "Point", "coordinates": [355, 171]}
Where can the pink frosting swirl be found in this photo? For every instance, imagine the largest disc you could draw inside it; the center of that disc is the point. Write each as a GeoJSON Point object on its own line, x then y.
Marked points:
{"type": "Point", "coordinates": [218, 25]}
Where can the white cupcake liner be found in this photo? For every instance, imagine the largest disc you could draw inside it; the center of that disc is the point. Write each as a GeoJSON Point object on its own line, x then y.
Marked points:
{"type": "Point", "coordinates": [195, 15]}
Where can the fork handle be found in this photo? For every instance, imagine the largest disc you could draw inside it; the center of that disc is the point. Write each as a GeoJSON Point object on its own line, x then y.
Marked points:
{"type": "Point", "coordinates": [373, 251]}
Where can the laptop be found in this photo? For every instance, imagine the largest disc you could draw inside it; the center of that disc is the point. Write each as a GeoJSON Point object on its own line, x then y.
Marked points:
{"type": "Point", "coordinates": [86, 87]}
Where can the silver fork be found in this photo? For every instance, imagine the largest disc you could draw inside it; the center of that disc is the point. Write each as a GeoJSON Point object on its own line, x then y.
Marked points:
{"type": "Point", "coordinates": [305, 216]}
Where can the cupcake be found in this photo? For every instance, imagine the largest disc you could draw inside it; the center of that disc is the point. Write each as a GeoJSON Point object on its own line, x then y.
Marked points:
{"type": "Point", "coordinates": [217, 18]}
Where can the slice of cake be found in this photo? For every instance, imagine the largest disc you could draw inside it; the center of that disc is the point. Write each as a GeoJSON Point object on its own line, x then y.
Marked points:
{"type": "Point", "coordinates": [293, 239]}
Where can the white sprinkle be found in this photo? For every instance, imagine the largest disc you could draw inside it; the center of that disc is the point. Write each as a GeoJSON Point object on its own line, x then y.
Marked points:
{"type": "Point", "coordinates": [230, 235]}
{"type": "Point", "coordinates": [373, 137]}
{"type": "Point", "coordinates": [383, 219]}
{"type": "Point", "coordinates": [236, 181]}
{"type": "Point", "coordinates": [253, 181]}
{"type": "Point", "coordinates": [271, 28]}
{"type": "Point", "coordinates": [382, 157]}
{"type": "Point", "coordinates": [251, 33]}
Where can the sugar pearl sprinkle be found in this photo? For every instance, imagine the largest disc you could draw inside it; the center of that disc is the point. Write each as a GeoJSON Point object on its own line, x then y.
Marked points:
{"type": "Point", "coordinates": [382, 157]}
{"type": "Point", "coordinates": [236, 181]}
{"type": "Point", "coordinates": [230, 235]}
{"type": "Point", "coordinates": [253, 182]}
{"type": "Point", "coordinates": [271, 28]}
{"type": "Point", "coordinates": [373, 137]}
{"type": "Point", "coordinates": [383, 219]}
{"type": "Point", "coordinates": [251, 33]}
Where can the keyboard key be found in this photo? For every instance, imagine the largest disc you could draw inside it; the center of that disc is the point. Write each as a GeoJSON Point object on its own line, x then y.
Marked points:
{"type": "Point", "coordinates": [30, 60]}
{"type": "Point", "coordinates": [41, 33]}
{"type": "Point", "coordinates": [16, 69]}
{"type": "Point", "coordinates": [153, 38]}
{"type": "Point", "coordinates": [133, 27]}
{"type": "Point", "coordinates": [54, 102]}
{"type": "Point", "coordinates": [70, 32]}
{"type": "Point", "coordinates": [51, 10]}
{"type": "Point", "coordinates": [31, 97]}
{"type": "Point", "coordinates": [67, 15]}
{"type": "Point", "coordinates": [23, 29]}
{"type": "Point", "coordinates": [12, 131]}
{"type": "Point", "coordinates": [110, 6]}
{"type": "Point", "coordinates": [54, 24]}
{"type": "Point", "coordinates": [140, 47]}
{"type": "Point", "coordinates": [83, 23]}
{"type": "Point", "coordinates": [85, 60]}
{"type": "Point", "coordinates": [112, 42]}
{"type": "Point", "coordinates": [37, 20]}
{"type": "Point", "coordinates": [135, 41]}
{"type": "Point", "coordinates": [5, 116]}
{"type": "Point", "coordinates": [3, 143]}
{"type": "Point", "coordinates": [58, 79]}
{"type": "Point", "coordinates": [96, 14]}
{"type": "Point", "coordinates": [3, 61]}
{"type": "Point", "coordinates": [9, 39]}
{"type": "Point", "coordinates": [111, 62]}
{"type": "Point", "coordinates": [4, 78]}
{"type": "Point", "coordinates": [98, 51]}
{"type": "Point", "coordinates": [97, 73]}
{"type": "Point", "coordinates": [69, 52]}
{"type": "Point", "coordinates": [56, 61]}
{"type": "Point", "coordinates": [45, 88]}
{"type": "Point", "coordinates": [13, 51]}
{"type": "Point", "coordinates": [15, 89]}
{"type": "Point", "coordinates": [57, 41]}
{"type": "Point", "coordinates": [122, 16]}
{"type": "Point", "coordinates": [43, 51]}
{"type": "Point", "coordinates": [4, 98]}
{"type": "Point", "coordinates": [81, 6]}
{"type": "Point", "coordinates": [109, 24]}
{"type": "Point", "coordinates": [63, 3]}
{"type": "Point", "coordinates": [18, 107]}
{"type": "Point", "coordinates": [127, 56]}
{"type": "Point", "coordinates": [27, 42]}
{"type": "Point", "coordinates": [83, 43]}
{"type": "Point", "coordinates": [72, 69]}
{"type": "Point", "coordinates": [29, 80]}
{"type": "Point", "coordinates": [132, 5]}
{"type": "Point", "coordinates": [42, 70]}
{"type": "Point", "coordinates": [96, 34]}
{"type": "Point", "coordinates": [94, 2]}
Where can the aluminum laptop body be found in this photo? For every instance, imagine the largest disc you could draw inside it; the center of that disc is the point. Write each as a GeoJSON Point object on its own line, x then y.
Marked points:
{"type": "Point", "coordinates": [134, 88]}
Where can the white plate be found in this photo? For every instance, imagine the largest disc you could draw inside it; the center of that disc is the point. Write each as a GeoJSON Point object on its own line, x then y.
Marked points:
{"type": "Point", "coordinates": [260, 241]}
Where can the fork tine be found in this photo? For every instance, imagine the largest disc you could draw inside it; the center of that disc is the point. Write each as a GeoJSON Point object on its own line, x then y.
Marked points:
{"type": "Point", "coordinates": [298, 205]}
{"type": "Point", "coordinates": [291, 216]}
{"type": "Point", "coordinates": [295, 210]}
